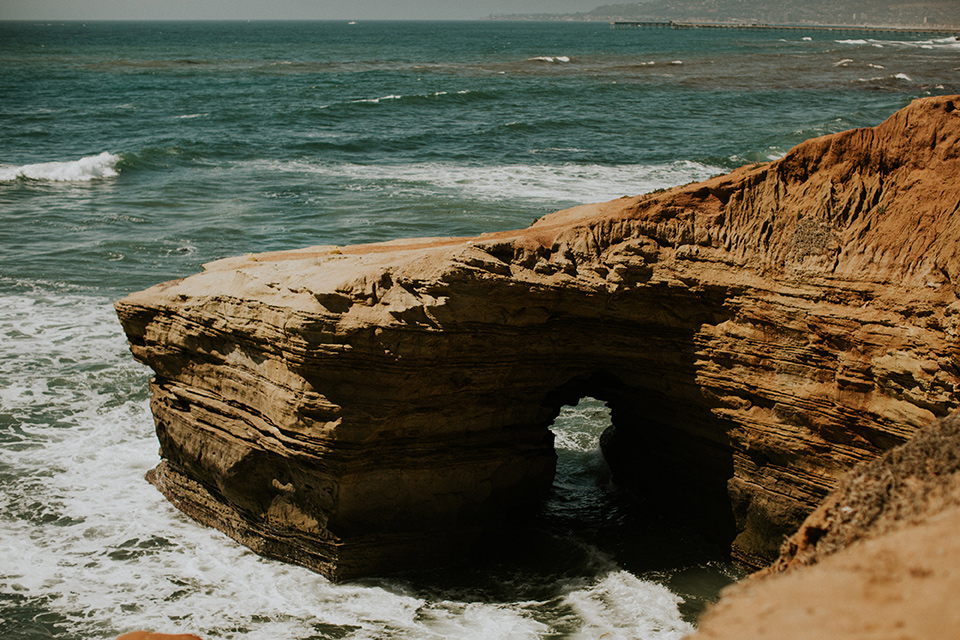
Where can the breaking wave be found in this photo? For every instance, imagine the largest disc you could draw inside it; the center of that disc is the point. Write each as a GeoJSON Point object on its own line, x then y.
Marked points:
{"type": "Point", "coordinates": [951, 42]}
{"type": "Point", "coordinates": [551, 59]}
{"type": "Point", "coordinates": [85, 169]}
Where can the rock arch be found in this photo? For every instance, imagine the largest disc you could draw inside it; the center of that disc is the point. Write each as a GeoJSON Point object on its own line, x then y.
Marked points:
{"type": "Point", "coordinates": [364, 409]}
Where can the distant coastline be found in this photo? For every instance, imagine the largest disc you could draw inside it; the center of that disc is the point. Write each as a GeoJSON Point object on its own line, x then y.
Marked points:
{"type": "Point", "coordinates": [934, 16]}
{"type": "Point", "coordinates": [755, 26]}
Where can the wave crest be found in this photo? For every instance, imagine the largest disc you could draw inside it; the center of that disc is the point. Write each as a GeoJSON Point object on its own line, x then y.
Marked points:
{"type": "Point", "coordinates": [951, 42]}
{"type": "Point", "coordinates": [551, 59]}
{"type": "Point", "coordinates": [95, 167]}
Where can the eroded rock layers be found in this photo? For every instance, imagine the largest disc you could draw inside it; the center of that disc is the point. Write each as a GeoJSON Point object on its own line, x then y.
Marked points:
{"type": "Point", "coordinates": [879, 558]}
{"type": "Point", "coordinates": [368, 408]}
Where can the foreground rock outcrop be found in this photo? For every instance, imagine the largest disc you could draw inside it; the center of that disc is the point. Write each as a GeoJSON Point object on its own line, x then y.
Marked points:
{"type": "Point", "coordinates": [879, 559]}
{"type": "Point", "coordinates": [369, 408]}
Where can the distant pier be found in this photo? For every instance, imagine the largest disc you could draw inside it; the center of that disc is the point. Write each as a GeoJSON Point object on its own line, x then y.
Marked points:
{"type": "Point", "coordinates": [673, 24]}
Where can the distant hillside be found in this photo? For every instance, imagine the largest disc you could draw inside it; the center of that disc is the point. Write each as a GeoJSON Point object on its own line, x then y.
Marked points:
{"type": "Point", "coordinates": [849, 12]}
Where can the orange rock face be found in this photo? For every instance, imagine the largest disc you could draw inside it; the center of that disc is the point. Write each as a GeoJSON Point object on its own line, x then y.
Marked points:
{"type": "Point", "coordinates": [369, 408]}
{"type": "Point", "coordinates": [880, 558]}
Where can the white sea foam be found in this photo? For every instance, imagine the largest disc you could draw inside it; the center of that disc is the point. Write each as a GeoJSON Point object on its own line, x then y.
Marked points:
{"type": "Point", "coordinates": [88, 168]}
{"type": "Point", "coordinates": [842, 63]}
{"type": "Point", "coordinates": [550, 59]}
{"type": "Point", "coordinates": [578, 428]}
{"type": "Point", "coordinates": [621, 606]}
{"type": "Point", "coordinates": [951, 42]}
{"type": "Point", "coordinates": [550, 184]}
{"type": "Point", "coordinates": [903, 76]}
{"type": "Point", "coordinates": [435, 94]}
{"type": "Point", "coordinates": [86, 540]}
{"type": "Point", "coordinates": [378, 100]}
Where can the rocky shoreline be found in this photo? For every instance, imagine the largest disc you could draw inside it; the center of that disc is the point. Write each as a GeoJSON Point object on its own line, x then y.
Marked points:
{"type": "Point", "coordinates": [365, 409]}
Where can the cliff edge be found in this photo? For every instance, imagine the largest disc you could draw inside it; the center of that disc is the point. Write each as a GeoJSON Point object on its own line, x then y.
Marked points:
{"type": "Point", "coordinates": [370, 408]}
{"type": "Point", "coordinates": [879, 559]}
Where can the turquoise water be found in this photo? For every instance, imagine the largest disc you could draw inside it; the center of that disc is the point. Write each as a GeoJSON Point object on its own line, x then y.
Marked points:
{"type": "Point", "coordinates": [133, 153]}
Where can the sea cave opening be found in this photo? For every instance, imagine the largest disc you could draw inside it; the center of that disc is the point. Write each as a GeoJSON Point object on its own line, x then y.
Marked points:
{"type": "Point", "coordinates": [596, 522]}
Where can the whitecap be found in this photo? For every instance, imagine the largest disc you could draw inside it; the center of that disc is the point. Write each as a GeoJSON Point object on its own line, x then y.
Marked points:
{"type": "Point", "coordinates": [549, 59]}
{"type": "Point", "coordinates": [82, 170]}
{"type": "Point", "coordinates": [903, 76]}
{"type": "Point", "coordinates": [378, 100]}
{"type": "Point", "coordinates": [842, 63]}
{"type": "Point", "coordinates": [677, 62]}
{"type": "Point", "coordinates": [190, 116]}
{"type": "Point", "coordinates": [938, 43]}
{"type": "Point", "coordinates": [807, 39]}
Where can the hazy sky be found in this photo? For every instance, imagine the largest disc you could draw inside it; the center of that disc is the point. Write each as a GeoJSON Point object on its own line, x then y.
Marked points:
{"type": "Point", "coordinates": [281, 9]}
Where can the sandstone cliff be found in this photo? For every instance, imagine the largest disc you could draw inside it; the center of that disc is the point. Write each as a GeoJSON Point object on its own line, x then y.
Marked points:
{"type": "Point", "coordinates": [368, 408]}
{"type": "Point", "coordinates": [879, 559]}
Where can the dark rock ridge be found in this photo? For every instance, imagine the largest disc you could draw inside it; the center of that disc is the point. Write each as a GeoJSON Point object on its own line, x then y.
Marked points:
{"type": "Point", "coordinates": [370, 408]}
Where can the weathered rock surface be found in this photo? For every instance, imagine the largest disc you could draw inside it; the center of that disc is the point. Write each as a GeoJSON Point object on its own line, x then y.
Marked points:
{"type": "Point", "coordinates": [879, 559]}
{"type": "Point", "coordinates": [373, 407]}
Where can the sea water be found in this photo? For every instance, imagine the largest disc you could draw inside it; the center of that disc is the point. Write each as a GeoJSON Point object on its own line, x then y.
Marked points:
{"type": "Point", "coordinates": [132, 153]}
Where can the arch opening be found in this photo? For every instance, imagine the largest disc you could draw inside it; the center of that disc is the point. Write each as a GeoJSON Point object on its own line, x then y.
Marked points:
{"type": "Point", "coordinates": [619, 497]}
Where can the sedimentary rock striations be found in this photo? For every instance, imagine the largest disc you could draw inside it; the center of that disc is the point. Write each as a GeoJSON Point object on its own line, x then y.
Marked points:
{"type": "Point", "coordinates": [880, 558]}
{"type": "Point", "coordinates": [372, 407]}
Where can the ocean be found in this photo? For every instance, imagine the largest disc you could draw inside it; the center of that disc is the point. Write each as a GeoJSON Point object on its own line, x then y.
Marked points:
{"type": "Point", "coordinates": [132, 153]}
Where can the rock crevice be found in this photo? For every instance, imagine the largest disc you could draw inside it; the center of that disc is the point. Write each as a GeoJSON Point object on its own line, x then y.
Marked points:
{"type": "Point", "coordinates": [368, 408]}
